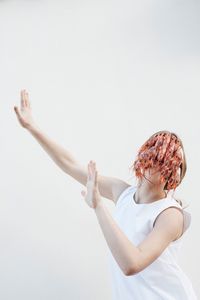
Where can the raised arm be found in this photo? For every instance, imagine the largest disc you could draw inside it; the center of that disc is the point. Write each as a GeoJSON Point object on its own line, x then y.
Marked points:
{"type": "Point", "coordinates": [109, 187]}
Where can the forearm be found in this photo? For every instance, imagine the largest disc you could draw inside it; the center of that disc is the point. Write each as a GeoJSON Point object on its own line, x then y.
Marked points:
{"type": "Point", "coordinates": [60, 156]}
{"type": "Point", "coordinates": [124, 252]}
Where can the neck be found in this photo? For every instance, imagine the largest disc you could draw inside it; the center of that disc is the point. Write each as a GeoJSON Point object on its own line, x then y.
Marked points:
{"type": "Point", "coordinates": [148, 192]}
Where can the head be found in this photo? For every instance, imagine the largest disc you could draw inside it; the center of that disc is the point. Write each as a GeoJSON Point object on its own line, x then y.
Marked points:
{"type": "Point", "coordinates": [161, 160]}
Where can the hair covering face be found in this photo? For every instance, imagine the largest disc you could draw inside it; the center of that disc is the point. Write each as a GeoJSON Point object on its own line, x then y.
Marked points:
{"type": "Point", "coordinates": [163, 152]}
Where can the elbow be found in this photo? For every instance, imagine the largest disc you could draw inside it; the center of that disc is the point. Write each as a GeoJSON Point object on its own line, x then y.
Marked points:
{"type": "Point", "coordinates": [132, 270]}
{"type": "Point", "coordinates": [135, 266]}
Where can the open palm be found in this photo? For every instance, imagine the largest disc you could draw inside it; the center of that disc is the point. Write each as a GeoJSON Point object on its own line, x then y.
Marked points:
{"type": "Point", "coordinates": [92, 196]}
{"type": "Point", "coordinates": [24, 114]}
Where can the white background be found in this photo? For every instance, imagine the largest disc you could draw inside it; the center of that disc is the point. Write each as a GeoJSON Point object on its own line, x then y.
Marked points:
{"type": "Point", "coordinates": [102, 76]}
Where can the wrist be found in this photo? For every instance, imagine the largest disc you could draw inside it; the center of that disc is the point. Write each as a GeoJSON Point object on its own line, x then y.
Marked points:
{"type": "Point", "coordinates": [32, 127]}
{"type": "Point", "coordinates": [99, 206]}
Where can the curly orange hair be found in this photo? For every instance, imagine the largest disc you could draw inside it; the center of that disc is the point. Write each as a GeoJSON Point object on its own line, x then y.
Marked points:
{"type": "Point", "coordinates": [163, 151]}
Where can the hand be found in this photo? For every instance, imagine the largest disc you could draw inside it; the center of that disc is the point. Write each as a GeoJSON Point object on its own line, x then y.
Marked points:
{"type": "Point", "coordinates": [24, 114]}
{"type": "Point", "coordinates": [92, 197]}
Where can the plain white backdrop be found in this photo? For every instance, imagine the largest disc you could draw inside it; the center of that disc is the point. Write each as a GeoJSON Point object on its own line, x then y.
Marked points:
{"type": "Point", "coordinates": [102, 76]}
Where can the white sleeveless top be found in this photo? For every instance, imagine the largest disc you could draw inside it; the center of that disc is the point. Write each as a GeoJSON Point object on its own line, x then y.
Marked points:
{"type": "Point", "coordinates": [161, 280]}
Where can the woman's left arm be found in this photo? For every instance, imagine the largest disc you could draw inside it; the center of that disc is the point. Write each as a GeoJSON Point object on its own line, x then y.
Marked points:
{"type": "Point", "coordinates": [133, 259]}
{"type": "Point", "coordinates": [130, 258]}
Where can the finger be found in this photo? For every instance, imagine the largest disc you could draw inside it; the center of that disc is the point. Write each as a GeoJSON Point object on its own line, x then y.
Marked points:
{"type": "Point", "coordinates": [96, 179]}
{"type": "Point", "coordinates": [93, 170]}
{"type": "Point", "coordinates": [89, 172]}
{"type": "Point", "coordinates": [94, 166]}
{"type": "Point", "coordinates": [22, 99]}
{"type": "Point", "coordinates": [26, 97]}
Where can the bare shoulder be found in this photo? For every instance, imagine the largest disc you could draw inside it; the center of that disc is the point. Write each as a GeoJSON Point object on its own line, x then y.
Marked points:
{"type": "Point", "coordinates": [111, 187]}
{"type": "Point", "coordinates": [118, 189]}
{"type": "Point", "coordinates": [171, 220]}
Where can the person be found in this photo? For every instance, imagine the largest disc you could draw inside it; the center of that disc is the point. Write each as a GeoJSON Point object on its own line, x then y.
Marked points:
{"type": "Point", "coordinates": [144, 233]}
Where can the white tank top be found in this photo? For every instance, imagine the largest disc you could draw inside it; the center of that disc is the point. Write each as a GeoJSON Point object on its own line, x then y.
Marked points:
{"type": "Point", "coordinates": [161, 280]}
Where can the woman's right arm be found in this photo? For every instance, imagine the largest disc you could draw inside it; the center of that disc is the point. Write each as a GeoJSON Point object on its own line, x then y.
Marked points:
{"type": "Point", "coordinates": [109, 187]}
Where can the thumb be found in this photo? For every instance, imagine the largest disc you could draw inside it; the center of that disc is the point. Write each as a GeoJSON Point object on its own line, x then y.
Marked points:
{"type": "Point", "coordinates": [83, 193]}
{"type": "Point", "coordinates": [17, 111]}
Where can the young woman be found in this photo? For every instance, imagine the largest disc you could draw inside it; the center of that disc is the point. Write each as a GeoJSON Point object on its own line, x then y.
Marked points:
{"type": "Point", "coordinates": [146, 229]}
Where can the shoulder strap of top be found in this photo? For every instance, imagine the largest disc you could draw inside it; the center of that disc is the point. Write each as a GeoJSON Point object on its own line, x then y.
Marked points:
{"type": "Point", "coordinates": [187, 220]}
{"type": "Point", "coordinates": [125, 192]}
